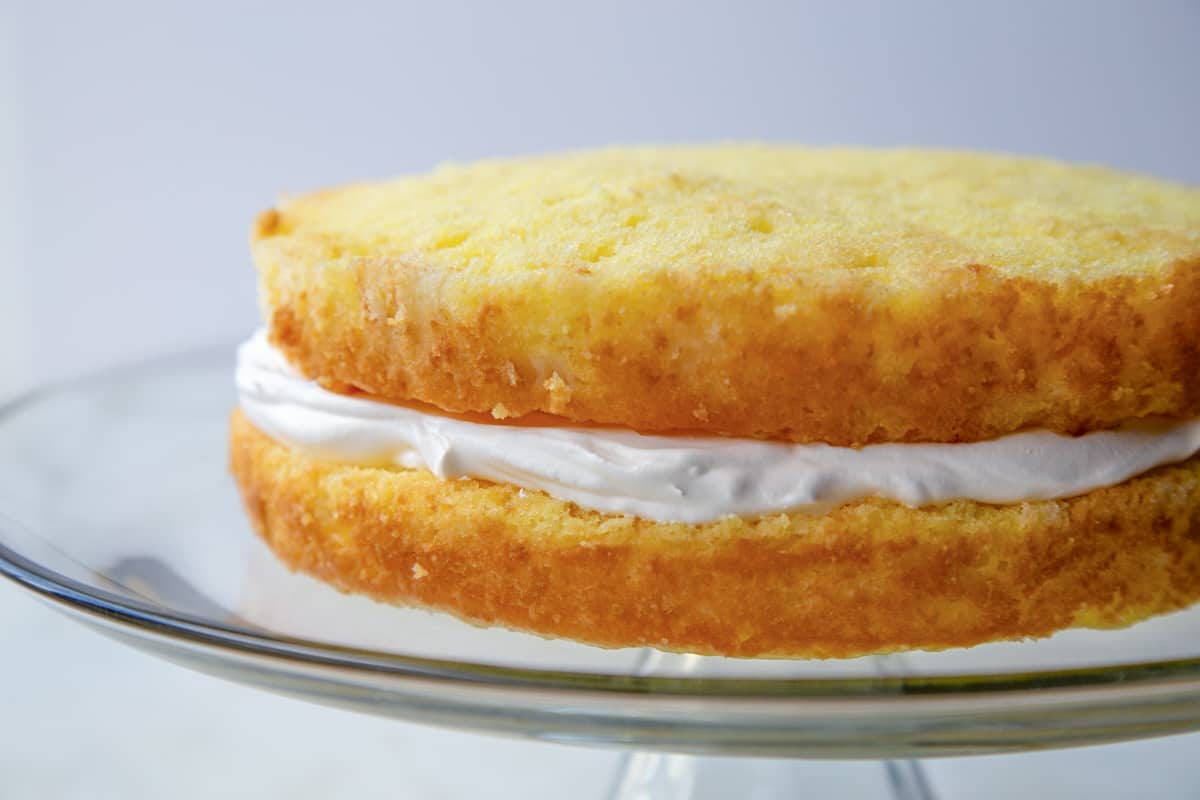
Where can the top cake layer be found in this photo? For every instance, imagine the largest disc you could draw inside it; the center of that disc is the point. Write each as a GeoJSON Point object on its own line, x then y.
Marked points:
{"type": "Point", "coordinates": [845, 296]}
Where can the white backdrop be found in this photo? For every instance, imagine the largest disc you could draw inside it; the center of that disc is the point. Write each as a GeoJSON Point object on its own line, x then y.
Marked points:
{"type": "Point", "coordinates": [137, 141]}
{"type": "Point", "coordinates": [154, 131]}
{"type": "Point", "coordinates": [16, 314]}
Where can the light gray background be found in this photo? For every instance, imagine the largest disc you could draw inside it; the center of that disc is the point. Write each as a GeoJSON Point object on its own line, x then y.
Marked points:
{"type": "Point", "coordinates": [151, 133]}
{"type": "Point", "coordinates": [139, 139]}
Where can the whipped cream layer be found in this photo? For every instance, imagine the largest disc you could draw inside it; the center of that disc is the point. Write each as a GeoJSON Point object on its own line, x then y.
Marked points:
{"type": "Point", "coordinates": [692, 479]}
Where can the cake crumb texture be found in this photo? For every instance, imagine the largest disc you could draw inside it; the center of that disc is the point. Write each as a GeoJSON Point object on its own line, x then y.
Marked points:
{"type": "Point", "coordinates": [871, 576]}
{"type": "Point", "coordinates": [847, 296]}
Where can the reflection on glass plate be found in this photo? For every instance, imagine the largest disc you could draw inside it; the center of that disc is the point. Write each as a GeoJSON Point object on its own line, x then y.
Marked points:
{"type": "Point", "coordinates": [116, 506]}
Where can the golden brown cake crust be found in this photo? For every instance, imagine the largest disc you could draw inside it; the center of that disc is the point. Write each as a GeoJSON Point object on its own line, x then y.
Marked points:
{"type": "Point", "coordinates": [979, 356]}
{"type": "Point", "coordinates": [868, 577]}
{"type": "Point", "coordinates": [846, 297]}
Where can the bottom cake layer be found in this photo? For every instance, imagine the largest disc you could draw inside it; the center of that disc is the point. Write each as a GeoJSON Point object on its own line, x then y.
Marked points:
{"type": "Point", "coordinates": [871, 576]}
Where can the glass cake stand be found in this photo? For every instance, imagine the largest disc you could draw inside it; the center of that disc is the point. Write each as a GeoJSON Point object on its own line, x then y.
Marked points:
{"type": "Point", "coordinates": [116, 508]}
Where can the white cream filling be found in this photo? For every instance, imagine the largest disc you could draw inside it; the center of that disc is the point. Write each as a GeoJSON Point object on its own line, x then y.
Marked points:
{"type": "Point", "coordinates": [690, 478]}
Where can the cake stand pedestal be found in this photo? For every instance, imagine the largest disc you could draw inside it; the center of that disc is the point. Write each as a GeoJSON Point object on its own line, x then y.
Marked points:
{"type": "Point", "coordinates": [666, 776]}
{"type": "Point", "coordinates": [646, 775]}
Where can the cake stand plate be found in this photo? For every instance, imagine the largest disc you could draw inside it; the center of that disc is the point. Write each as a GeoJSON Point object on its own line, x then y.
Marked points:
{"type": "Point", "coordinates": [116, 508]}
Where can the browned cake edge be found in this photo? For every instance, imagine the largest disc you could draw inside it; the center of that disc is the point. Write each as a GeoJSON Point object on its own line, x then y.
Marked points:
{"type": "Point", "coordinates": [871, 576]}
{"type": "Point", "coordinates": [969, 355]}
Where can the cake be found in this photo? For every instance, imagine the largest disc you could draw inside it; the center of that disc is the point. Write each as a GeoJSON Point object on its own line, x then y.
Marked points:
{"type": "Point", "coordinates": [750, 400]}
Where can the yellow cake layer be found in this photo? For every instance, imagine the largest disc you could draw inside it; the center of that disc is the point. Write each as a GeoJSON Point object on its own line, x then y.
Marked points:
{"type": "Point", "coordinates": [870, 576]}
{"type": "Point", "coordinates": [846, 296]}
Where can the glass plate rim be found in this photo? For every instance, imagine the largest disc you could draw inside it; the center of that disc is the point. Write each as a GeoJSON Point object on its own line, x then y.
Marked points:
{"type": "Point", "coordinates": [160, 621]}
